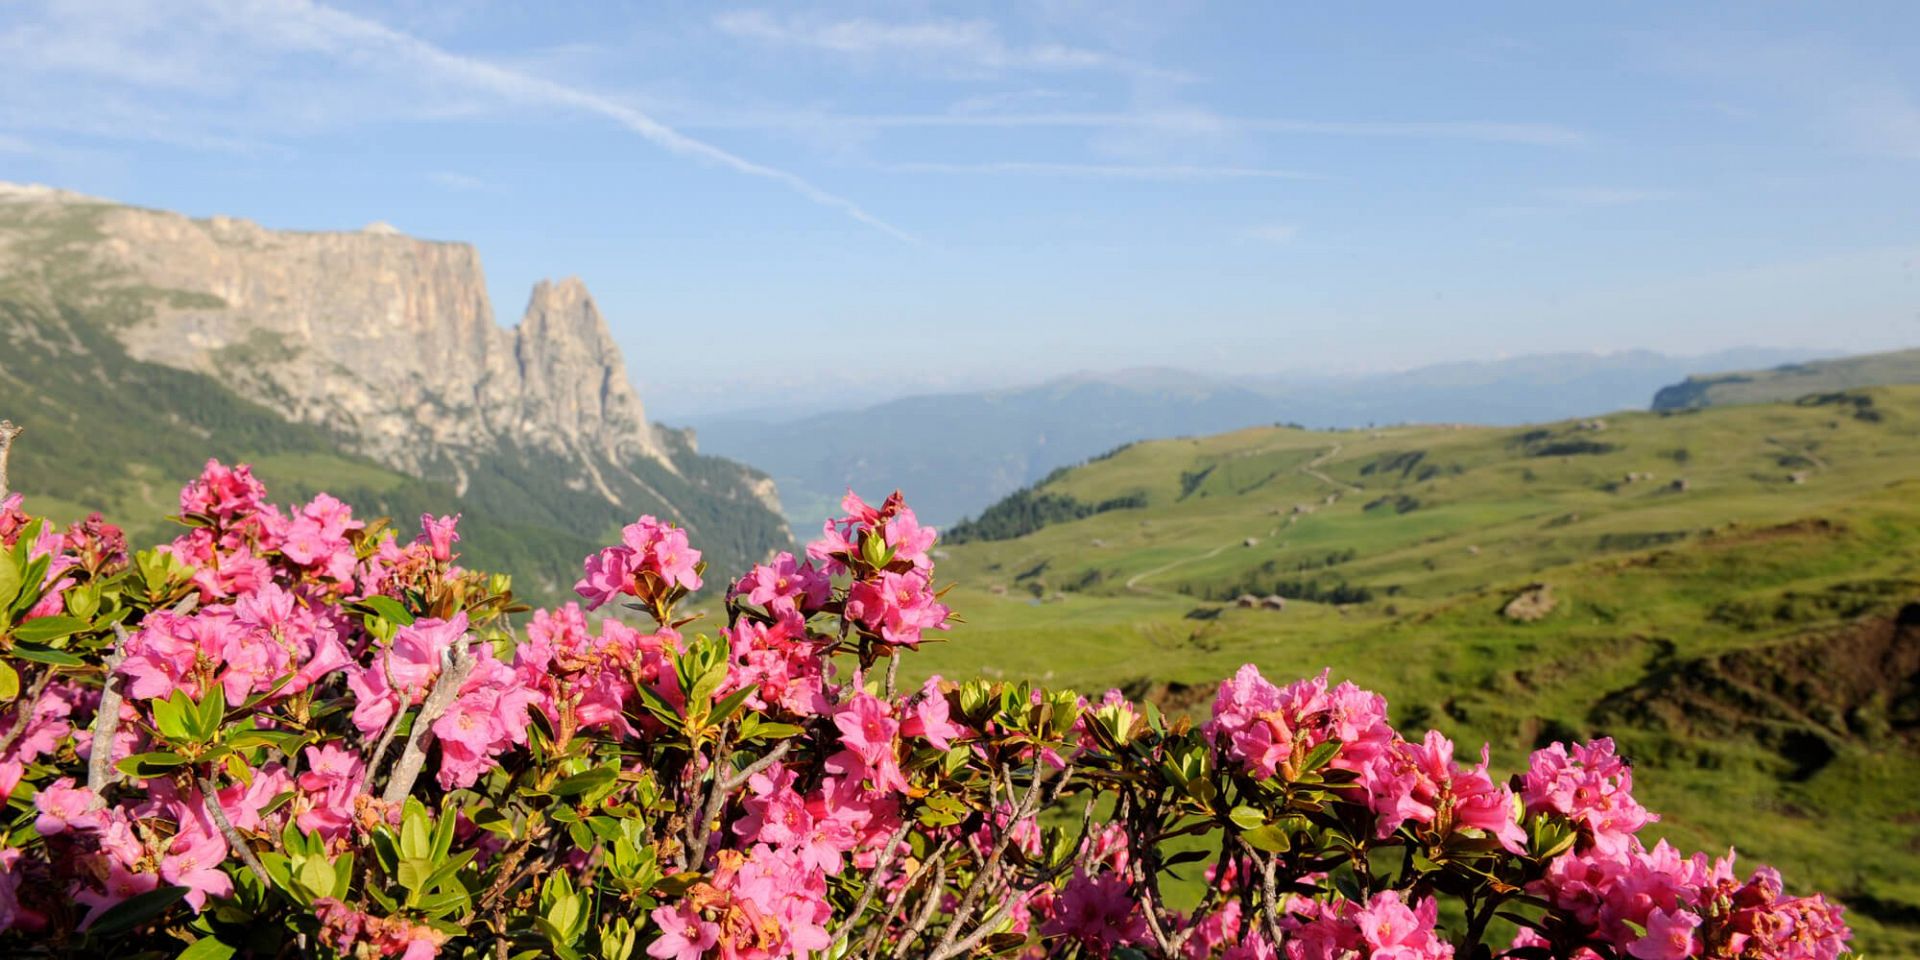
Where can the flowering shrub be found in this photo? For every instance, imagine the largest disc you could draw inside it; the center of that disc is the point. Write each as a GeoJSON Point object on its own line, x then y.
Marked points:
{"type": "Point", "coordinates": [290, 733]}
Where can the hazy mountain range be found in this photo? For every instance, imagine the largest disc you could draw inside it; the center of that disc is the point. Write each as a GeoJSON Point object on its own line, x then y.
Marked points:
{"type": "Point", "coordinates": [956, 453]}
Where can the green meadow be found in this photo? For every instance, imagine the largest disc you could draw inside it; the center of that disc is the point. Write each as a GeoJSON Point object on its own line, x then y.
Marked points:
{"type": "Point", "coordinates": [1735, 597]}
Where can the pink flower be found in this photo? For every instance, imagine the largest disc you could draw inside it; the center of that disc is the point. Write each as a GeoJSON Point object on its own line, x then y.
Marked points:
{"type": "Point", "coordinates": [896, 607]}
{"type": "Point", "coordinates": [683, 934]}
{"type": "Point", "coordinates": [1669, 936]}
{"type": "Point", "coordinates": [402, 673]}
{"type": "Point", "coordinates": [1099, 911]}
{"type": "Point", "coordinates": [1411, 782]}
{"type": "Point", "coordinates": [440, 535]}
{"type": "Point", "coordinates": [193, 861]}
{"type": "Point", "coordinates": [927, 717]}
{"type": "Point", "coordinates": [1592, 787]}
{"type": "Point", "coordinates": [119, 884]}
{"type": "Point", "coordinates": [785, 587]}
{"type": "Point", "coordinates": [870, 734]}
{"type": "Point", "coordinates": [64, 807]}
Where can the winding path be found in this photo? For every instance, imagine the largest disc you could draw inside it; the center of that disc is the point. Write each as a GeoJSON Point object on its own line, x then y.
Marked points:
{"type": "Point", "coordinates": [1133, 582]}
{"type": "Point", "coordinates": [1311, 468]}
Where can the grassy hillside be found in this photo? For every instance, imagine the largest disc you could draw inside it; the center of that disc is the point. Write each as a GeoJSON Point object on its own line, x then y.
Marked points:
{"type": "Point", "coordinates": [1791, 381]}
{"type": "Point", "coordinates": [960, 452]}
{"type": "Point", "coordinates": [1752, 634]}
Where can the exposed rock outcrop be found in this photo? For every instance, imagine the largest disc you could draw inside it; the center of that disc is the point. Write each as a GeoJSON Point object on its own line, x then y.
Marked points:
{"type": "Point", "coordinates": [385, 339]}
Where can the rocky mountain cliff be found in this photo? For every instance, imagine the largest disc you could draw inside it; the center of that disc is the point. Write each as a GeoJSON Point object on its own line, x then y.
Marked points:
{"type": "Point", "coordinates": [388, 339]}
{"type": "Point", "coordinates": [384, 342]}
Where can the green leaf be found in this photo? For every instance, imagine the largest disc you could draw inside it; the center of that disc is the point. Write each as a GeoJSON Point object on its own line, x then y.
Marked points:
{"type": "Point", "coordinates": [390, 609]}
{"type": "Point", "coordinates": [209, 712]}
{"type": "Point", "coordinates": [41, 653]}
{"type": "Point", "coordinates": [316, 876]}
{"type": "Point", "coordinates": [413, 874]}
{"type": "Point", "coordinates": [143, 766]}
{"type": "Point", "coordinates": [416, 837]}
{"type": "Point", "coordinates": [206, 948]}
{"type": "Point", "coordinates": [170, 716]}
{"type": "Point", "coordinates": [1271, 839]}
{"type": "Point", "coordinates": [1320, 757]}
{"type": "Point", "coordinates": [659, 707]}
{"type": "Point", "coordinates": [1247, 818]}
{"type": "Point", "coordinates": [443, 835]}
{"type": "Point", "coordinates": [9, 682]}
{"type": "Point", "coordinates": [10, 578]}
{"type": "Point", "coordinates": [134, 911]}
{"type": "Point", "coordinates": [726, 708]}
{"type": "Point", "coordinates": [449, 867]}
{"type": "Point", "coordinates": [46, 629]}
{"type": "Point", "coordinates": [581, 783]}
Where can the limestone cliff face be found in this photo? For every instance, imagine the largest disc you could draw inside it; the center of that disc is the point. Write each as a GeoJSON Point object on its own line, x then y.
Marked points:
{"type": "Point", "coordinates": [388, 340]}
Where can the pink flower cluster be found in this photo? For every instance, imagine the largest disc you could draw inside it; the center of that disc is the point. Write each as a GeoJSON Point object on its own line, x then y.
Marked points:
{"type": "Point", "coordinates": [110, 853]}
{"type": "Point", "coordinates": [1591, 786]}
{"type": "Point", "coordinates": [885, 549]}
{"type": "Point", "coordinates": [1686, 906]}
{"type": "Point", "coordinates": [651, 558]}
{"type": "Point", "coordinates": [584, 682]}
{"type": "Point", "coordinates": [1269, 731]}
{"type": "Point", "coordinates": [1385, 927]}
{"type": "Point", "coordinates": [265, 642]}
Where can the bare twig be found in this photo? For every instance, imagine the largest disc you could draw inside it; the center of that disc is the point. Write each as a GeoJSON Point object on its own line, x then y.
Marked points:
{"type": "Point", "coordinates": [1146, 875]}
{"type": "Point", "coordinates": [700, 832]}
{"type": "Point", "coordinates": [986, 928]}
{"type": "Point", "coordinates": [380, 749]}
{"type": "Point", "coordinates": [453, 673]}
{"type": "Point", "coordinates": [748, 772]}
{"type": "Point", "coordinates": [950, 944]}
{"type": "Point", "coordinates": [936, 891]}
{"type": "Point", "coordinates": [880, 865]}
{"type": "Point", "coordinates": [893, 673]}
{"type": "Point", "coordinates": [876, 937]}
{"type": "Point", "coordinates": [1269, 895]}
{"type": "Point", "coordinates": [23, 714]}
{"type": "Point", "coordinates": [8, 431]}
{"type": "Point", "coordinates": [106, 721]}
{"type": "Point", "coordinates": [210, 793]}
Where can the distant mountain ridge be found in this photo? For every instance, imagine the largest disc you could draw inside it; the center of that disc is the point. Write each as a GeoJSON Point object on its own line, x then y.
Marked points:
{"type": "Point", "coordinates": [956, 453]}
{"type": "Point", "coordinates": [383, 346]}
{"type": "Point", "coordinates": [1791, 381]}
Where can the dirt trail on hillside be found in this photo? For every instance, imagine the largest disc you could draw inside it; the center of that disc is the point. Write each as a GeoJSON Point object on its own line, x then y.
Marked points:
{"type": "Point", "coordinates": [1312, 469]}
{"type": "Point", "coordinates": [1133, 582]}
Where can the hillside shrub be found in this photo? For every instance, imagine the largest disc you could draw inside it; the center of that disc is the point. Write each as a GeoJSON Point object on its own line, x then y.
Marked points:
{"type": "Point", "coordinates": [289, 733]}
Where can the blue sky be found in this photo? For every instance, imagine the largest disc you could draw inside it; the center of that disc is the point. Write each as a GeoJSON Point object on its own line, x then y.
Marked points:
{"type": "Point", "coordinates": [855, 200]}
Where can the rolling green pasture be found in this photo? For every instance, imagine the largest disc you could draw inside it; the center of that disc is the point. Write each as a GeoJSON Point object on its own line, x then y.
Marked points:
{"type": "Point", "coordinates": [1741, 634]}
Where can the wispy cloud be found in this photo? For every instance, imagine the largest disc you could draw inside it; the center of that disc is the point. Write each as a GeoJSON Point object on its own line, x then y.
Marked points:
{"type": "Point", "coordinates": [258, 35]}
{"type": "Point", "coordinates": [1191, 121]}
{"type": "Point", "coordinates": [1105, 170]}
{"type": "Point", "coordinates": [1560, 200]}
{"type": "Point", "coordinates": [972, 43]}
{"type": "Point", "coordinates": [460, 182]}
{"type": "Point", "coordinates": [14, 145]}
{"type": "Point", "coordinates": [1274, 232]}
{"type": "Point", "coordinates": [1600, 196]}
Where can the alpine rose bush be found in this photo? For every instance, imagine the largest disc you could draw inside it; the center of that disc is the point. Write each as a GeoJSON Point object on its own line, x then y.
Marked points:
{"type": "Point", "coordinates": [291, 732]}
